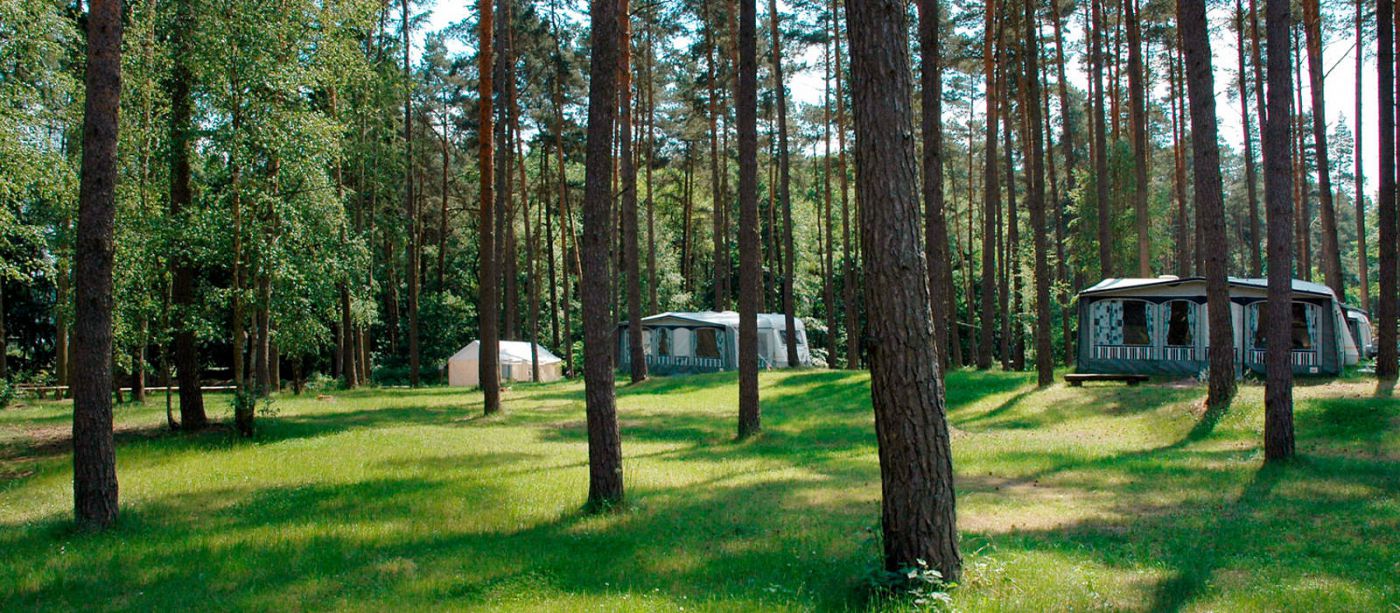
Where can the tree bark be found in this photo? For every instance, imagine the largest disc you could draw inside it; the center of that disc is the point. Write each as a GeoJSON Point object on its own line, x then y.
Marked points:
{"type": "Point", "coordinates": [1278, 186]}
{"type": "Point", "coordinates": [94, 454]}
{"type": "Point", "coordinates": [1209, 201]}
{"type": "Point", "coordinates": [487, 311]}
{"type": "Point", "coordinates": [1331, 252]}
{"type": "Point", "coordinates": [1101, 179]}
{"type": "Point", "coordinates": [918, 517]}
{"type": "Point", "coordinates": [750, 282]}
{"type": "Point", "coordinates": [1359, 177]}
{"type": "Point", "coordinates": [1386, 302]}
{"type": "Point", "coordinates": [1253, 243]}
{"type": "Point", "coordinates": [604, 439]}
{"type": "Point", "coordinates": [1044, 355]}
{"type": "Point", "coordinates": [192, 415]}
{"type": "Point", "coordinates": [991, 190]}
{"type": "Point", "coordinates": [784, 181]}
{"type": "Point", "coordinates": [1137, 103]}
{"type": "Point", "coordinates": [829, 279]}
{"type": "Point", "coordinates": [628, 195]}
{"type": "Point", "coordinates": [935, 222]}
{"type": "Point", "coordinates": [410, 205]}
{"type": "Point", "coordinates": [721, 247]}
{"type": "Point", "coordinates": [849, 282]}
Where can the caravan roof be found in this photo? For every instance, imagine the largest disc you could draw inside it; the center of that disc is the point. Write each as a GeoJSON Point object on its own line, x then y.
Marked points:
{"type": "Point", "coordinates": [1109, 286]}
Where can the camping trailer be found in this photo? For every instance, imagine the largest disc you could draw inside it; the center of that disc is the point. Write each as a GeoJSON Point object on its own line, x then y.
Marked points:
{"type": "Point", "coordinates": [464, 367]}
{"type": "Point", "coordinates": [708, 341]}
{"type": "Point", "coordinates": [1160, 326]}
{"type": "Point", "coordinates": [1362, 333]}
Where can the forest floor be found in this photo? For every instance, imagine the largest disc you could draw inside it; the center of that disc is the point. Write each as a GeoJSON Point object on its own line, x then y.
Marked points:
{"type": "Point", "coordinates": [1102, 497]}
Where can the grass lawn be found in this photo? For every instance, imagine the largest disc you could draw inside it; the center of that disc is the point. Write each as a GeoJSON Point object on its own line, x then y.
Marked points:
{"type": "Point", "coordinates": [1104, 497]}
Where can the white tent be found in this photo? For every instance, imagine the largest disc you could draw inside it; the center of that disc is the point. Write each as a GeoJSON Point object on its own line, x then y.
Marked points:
{"type": "Point", "coordinates": [464, 367]}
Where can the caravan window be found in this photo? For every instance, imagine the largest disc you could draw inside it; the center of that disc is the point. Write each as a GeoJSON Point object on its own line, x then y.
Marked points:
{"type": "Point", "coordinates": [1135, 328]}
{"type": "Point", "coordinates": [793, 337]}
{"type": "Point", "coordinates": [1301, 329]}
{"type": "Point", "coordinates": [1180, 320]}
{"type": "Point", "coordinates": [706, 343]}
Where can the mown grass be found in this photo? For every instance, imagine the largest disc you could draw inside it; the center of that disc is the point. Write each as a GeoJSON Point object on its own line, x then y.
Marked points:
{"type": "Point", "coordinates": [1068, 498]}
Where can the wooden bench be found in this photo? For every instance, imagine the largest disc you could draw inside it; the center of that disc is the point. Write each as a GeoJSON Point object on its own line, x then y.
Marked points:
{"type": "Point", "coordinates": [1078, 379]}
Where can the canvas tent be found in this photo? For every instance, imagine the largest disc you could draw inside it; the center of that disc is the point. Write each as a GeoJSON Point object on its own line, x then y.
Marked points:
{"type": "Point", "coordinates": [1159, 326]}
{"type": "Point", "coordinates": [708, 341]}
{"type": "Point", "coordinates": [464, 367]}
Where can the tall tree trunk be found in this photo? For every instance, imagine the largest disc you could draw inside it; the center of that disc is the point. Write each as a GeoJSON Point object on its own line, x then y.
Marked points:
{"type": "Point", "coordinates": [829, 259]}
{"type": "Point", "coordinates": [906, 389]}
{"type": "Point", "coordinates": [750, 282]}
{"type": "Point", "coordinates": [1302, 217]}
{"type": "Point", "coordinates": [849, 281]}
{"type": "Point", "coordinates": [487, 309]}
{"type": "Point", "coordinates": [935, 223]}
{"type": "Point", "coordinates": [566, 230]}
{"type": "Point", "coordinates": [1359, 177]}
{"type": "Point", "coordinates": [1331, 252]}
{"type": "Point", "coordinates": [1044, 355]}
{"type": "Point", "coordinates": [1137, 103]}
{"type": "Point", "coordinates": [650, 61]}
{"type": "Point", "coordinates": [604, 439]}
{"type": "Point", "coordinates": [991, 189]}
{"type": "Point", "coordinates": [410, 205]}
{"type": "Point", "coordinates": [192, 415]}
{"type": "Point", "coordinates": [1067, 142]}
{"type": "Point", "coordinates": [1278, 388]}
{"type": "Point", "coordinates": [1252, 243]}
{"type": "Point", "coordinates": [1386, 301]}
{"type": "Point", "coordinates": [784, 180]}
{"type": "Point", "coordinates": [721, 248]}
{"type": "Point", "coordinates": [628, 194]}
{"type": "Point", "coordinates": [1101, 178]}
{"type": "Point", "coordinates": [94, 454]}
{"type": "Point", "coordinates": [1210, 205]}
{"type": "Point", "coordinates": [1184, 225]}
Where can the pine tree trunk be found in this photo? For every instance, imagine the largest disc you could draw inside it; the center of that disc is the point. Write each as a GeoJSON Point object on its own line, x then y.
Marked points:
{"type": "Point", "coordinates": [828, 254]}
{"type": "Point", "coordinates": [628, 196]}
{"type": "Point", "coordinates": [721, 248]}
{"type": "Point", "coordinates": [906, 389]}
{"type": "Point", "coordinates": [1044, 355]}
{"type": "Point", "coordinates": [1101, 178]}
{"type": "Point", "coordinates": [1184, 256]}
{"type": "Point", "coordinates": [410, 206]}
{"type": "Point", "coordinates": [750, 282]}
{"type": "Point", "coordinates": [849, 282]}
{"type": "Point", "coordinates": [1278, 390]}
{"type": "Point", "coordinates": [192, 415]}
{"type": "Point", "coordinates": [604, 439]}
{"type": "Point", "coordinates": [94, 454]}
{"type": "Point", "coordinates": [991, 190]}
{"type": "Point", "coordinates": [1137, 103]}
{"type": "Point", "coordinates": [487, 309]}
{"type": "Point", "coordinates": [1386, 301]}
{"type": "Point", "coordinates": [1331, 252]}
{"type": "Point", "coordinates": [1253, 242]}
{"type": "Point", "coordinates": [1067, 142]}
{"type": "Point", "coordinates": [935, 223]}
{"type": "Point", "coordinates": [652, 281]}
{"type": "Point", "coordinates": [1359, 177]}
{"type": "Point", "coordinates": [1209, 200]}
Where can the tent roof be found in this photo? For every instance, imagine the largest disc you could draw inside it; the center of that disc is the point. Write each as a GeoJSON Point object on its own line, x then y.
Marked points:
{"type": "Point", "coordinates": [1108, 286]}
{"type": "Point", "coordinates": [728, 319]}
{"type": "Point", "coordinates": [511, 352]}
